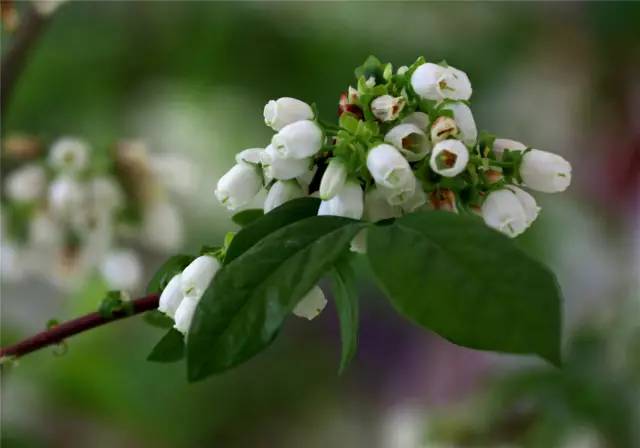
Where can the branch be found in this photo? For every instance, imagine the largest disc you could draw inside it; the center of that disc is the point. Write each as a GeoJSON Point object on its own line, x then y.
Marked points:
{"type": "Point", "coordinates": [60, 332]}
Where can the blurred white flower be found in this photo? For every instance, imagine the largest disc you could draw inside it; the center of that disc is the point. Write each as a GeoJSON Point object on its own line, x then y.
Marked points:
{"type": "Point", "coordinates": [333, 179]}
{"type": "Point", "coordinates": [66, 196]}
{"type": "Point", "coordinates": [171, 296]}
{"type": "Point", "coordinates": [44, 231]}
{"type": "Point", "coordinates": [281, 168]}
{"type": "Point", "coordinates": [409, 140]}
{"type": "Point", "coordinates": [26, 184]}
{"type": "Point", "coordinates": [197, 276]}
{"type": "Point", "coordinates": [238, 186]}
{"type": "Point", "coordinates": [122, 270]}
{"type": "Point", "coordinates": [387, 107]}
{"type": "Point", "coordinates": [415, 201]}
{"type": "Point", "coordinates": [281, 192]}
{"type": "Point", "coordinates": [311, 304]}
{"type": "Point", "coordinates": [175, 172]}
{"type": "Point", "coordinates": [377, 207]}
{"type": "Point", "coordinates": [283, 111]}
{"type": "Point", "coordinates": [106, 193]}
{"type": "Point", "coordinates": [162, 226]}
{"type": "Point", "coordinates": [69, 155]}
{"type": "Point", "coordinates": [449, 158]}
{"type": "Point", "coordinates": [298, 140]}
{"type": "Point", "coordinates": [435, 82]}
{"type": "Point", "coordinates": [348, 202]}
{"type": "Point", "coordinates": [12, 266]}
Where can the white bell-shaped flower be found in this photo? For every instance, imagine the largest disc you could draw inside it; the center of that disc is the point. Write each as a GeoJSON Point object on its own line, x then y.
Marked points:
{"type": "Point", "coordinates": [528, 203]}
{"type": "Point", "coordinates": [184, 314]}
{"type": "Point", "coordinates": [311, 304]}
{"type": "Point", "coordinates": [435, 82]}
{"type": "Point", "coordinates": [197, 276]}
{"type": "Point", "coordinates": [69, 154]}
{"type": "Point", "coordinates": [420, 119]}
{"type": "Point", "coordinates": [26, 184]}
{"type": "Point", "coordinates": [545, 171]}
{"type": "Point", "coordinates": [387, 107]}
{"type": "Point", "coordinates": [389, 168]}
{"type": "Point", "coordinates": [333, 179]}
{"type": "Point", "coordinates": [171, 296]}
{"type": "Point", "coordinates": [502, 144]}
{"type": "Point", "coordinates": [66, 196]}
{"type": "Point", "coordinates": [283, 111]}
{"type": "Point", "coordinates": [466, 125]}
{"type": "Point", "coordinates": [281, 168]}
{"type": "Point", "coordinates": [251, 155]}
{"type": "Point", "coordinates": [503, 211]}
{"type": "Point", "coordinates": [298, 140]}
{"type": "Point", "coordinates": [281, 192]}
{"type": "Point", "coordinates": [45, 231]}
{"type": "Point", "coordinates": [377, 207]}
{"type": "Point", "coordinates": [449, 158]}
{"type": "Point", "coordinates": [349, 202]}
{"type": "Point", "coordinates": [238, 186]}
{"type": "Point", "coordinates": [409, 140]}
{"type": "Point", "coordinates": [122, 270]}
{"type": "Point", "coordinates": [417, 200]}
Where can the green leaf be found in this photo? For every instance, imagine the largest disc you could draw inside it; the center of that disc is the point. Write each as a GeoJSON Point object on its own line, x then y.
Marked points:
{"type": "Point", "coordinates": [287, 213]}
{"type": "Point", "coordinates": [468, 283]}
{"type": "Point", "coordinates": [246, 217]}
{"type": "Point", "coordinates": [249, 298]}
{"type": "Point", "coordinates": [169, 268]}
{"type": "Point", "coordinates": [346, 297]}
{"type": "Point", "coordinates": [157, 319]}
{"type": "Point", "coordinates": [169, 349]}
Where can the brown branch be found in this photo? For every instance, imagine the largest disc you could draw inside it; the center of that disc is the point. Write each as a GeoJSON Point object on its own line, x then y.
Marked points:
{"type": "Point", "coordinates": [60, 332]}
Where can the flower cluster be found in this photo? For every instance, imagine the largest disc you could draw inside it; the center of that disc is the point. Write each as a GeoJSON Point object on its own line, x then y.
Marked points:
{"type": "Point", "coordinates": [66, 210]}
{"type": "Point", "coordinates": [406, 141]}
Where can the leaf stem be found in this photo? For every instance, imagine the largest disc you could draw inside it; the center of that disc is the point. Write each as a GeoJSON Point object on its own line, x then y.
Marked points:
{"type": "Point", "coordinates": [59, 333]}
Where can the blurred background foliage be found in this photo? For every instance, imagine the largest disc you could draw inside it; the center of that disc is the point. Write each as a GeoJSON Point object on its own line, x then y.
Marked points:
{"type": "Point", "coordinates": [192, 78]}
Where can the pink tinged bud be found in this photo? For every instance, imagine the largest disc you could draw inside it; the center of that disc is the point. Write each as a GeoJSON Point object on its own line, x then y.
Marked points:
{"type": "Point", "coordinates": [26, 184]}
{"type": "Point", "coordinates": [466, 125]}
{"type": "Point", "coordinates": [544, 171]}
{"type": "Point", "coordinates": [281, 168]}
{"type": "Point", "coordinates": [333, 179]}
{"type": "Point", "coordinates": [281, 192]}
{"type": "Point", "coordinates": [349, 202]}
{"type": "Point", "coordinates": [409, 140]}
{"type": "Point", "coordinates": [419, 119]}
{"type": "Point", "coordinates": [238, 186]}
{"type": "Point", "coordinates": [171, 296]}
{"type": "Point", "coordinates": [311, 304]}
{"type": "Point", "coordinates": [184, 314]}
{"type": "Point", "coordinates": [390, 169]}
{"type": "Point", "coordinates": [387, 108]}
{"type": "Point", "coordinates": [284, 111]}
{"type": "Point", "coordinates": [449, 158]}
{"type": "Point", "coordinates": [197, 276]}
{"type": "Point", "coordinates": [298, 140]}
{"type": "Point", "coordinates": [503, 211]}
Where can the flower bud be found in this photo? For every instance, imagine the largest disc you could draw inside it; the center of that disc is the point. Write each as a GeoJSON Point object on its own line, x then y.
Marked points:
{"type": "Point", "coordinates": [44, 231]}
{"type": "Point", "coordinates": [443, 199]}
{"type": "Point", "coordinates": [281, 192]}
{"type": "Point", "coordinates": [466, 125]}
{"type": "Point", "coordinates": [443, 128]}
{"type": "Point", "coordinates": [283, 111]}
{"type": "Point", "coordinates": [503, 211]}
{"type": "Point", "coordinates": [26, 183]}
{"type": "Point", "coordinates": [238, 186]}
{"type": "Point", "coordinates": [69, 154]}
{"type": "Point", "coordinates": [434, 82]}
{"type": "Point", "coordinates": [333, 179]}
{"type": "Point", "coordinates": [184, 314]}
{"type": "Point", "coordinates": [348, 202]}
{"type": "Point", "coordinates": [387, 108]}
{"type": "Point", "coordinates": [346, 103]}
{"type": "Point", "coordinates": [171, 296]}
{"type": "Point", "coordinates": [545, 171]}
{"type": "Point", "coordinates": [197, 276]}
{"type": "Point", "coordinates": [311, 304]}
{"type": "Point", "coordinates": [528, 203]}
{"type": "Point", "coordinates": [298, 140]}
{"type": "Point", "coordinates": [277, 167]}
{"type": "Point", "coordinates": [402, 70]}
{"type": "Point", "coordinates": [420, 119]}
{"type": "Point", "coordinates": [500, 144]}
{"type": "Point", "coordinates": [449, 158]}
{"type": "Point", "coordinates": [66, 196]}
{"type": "Point", "coordinates": [389, 168]}
{"type": "Point", "coordinates": [410, 140]}
{"type": "Point", "coordinates": [251, 155]}
{"type": "Point", "coordinates": [122, 270]}
{"type": "Point", "coordinates": [377, 208]}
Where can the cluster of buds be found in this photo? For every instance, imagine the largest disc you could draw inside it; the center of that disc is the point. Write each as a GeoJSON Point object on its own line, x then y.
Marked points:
{"type": "Point", "coordinates": [406, 140]}
{"type": "Point", "coordinates": [66, 210]}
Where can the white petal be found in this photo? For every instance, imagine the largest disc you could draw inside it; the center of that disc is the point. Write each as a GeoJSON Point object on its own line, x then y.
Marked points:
{"type": "Point", "coordinates": [171, 296]}
{"type": "Point", "coordinates": [311, 304]}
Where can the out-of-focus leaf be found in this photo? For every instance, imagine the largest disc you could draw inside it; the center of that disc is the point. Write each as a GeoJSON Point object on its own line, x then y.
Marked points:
{"type": "Point", "coordinates": [169, 349]}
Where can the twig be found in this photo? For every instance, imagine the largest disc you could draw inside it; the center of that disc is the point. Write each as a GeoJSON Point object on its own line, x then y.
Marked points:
{"type": "Point", "coordinates": [60, 332]}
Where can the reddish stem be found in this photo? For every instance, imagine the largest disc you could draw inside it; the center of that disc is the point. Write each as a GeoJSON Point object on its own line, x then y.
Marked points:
{"type": "Point", "coordinates": [58, 333]}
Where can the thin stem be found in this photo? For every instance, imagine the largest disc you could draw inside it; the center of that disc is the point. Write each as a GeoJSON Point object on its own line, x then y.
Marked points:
{"type": "Point", "coordinates": [59, 333]}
